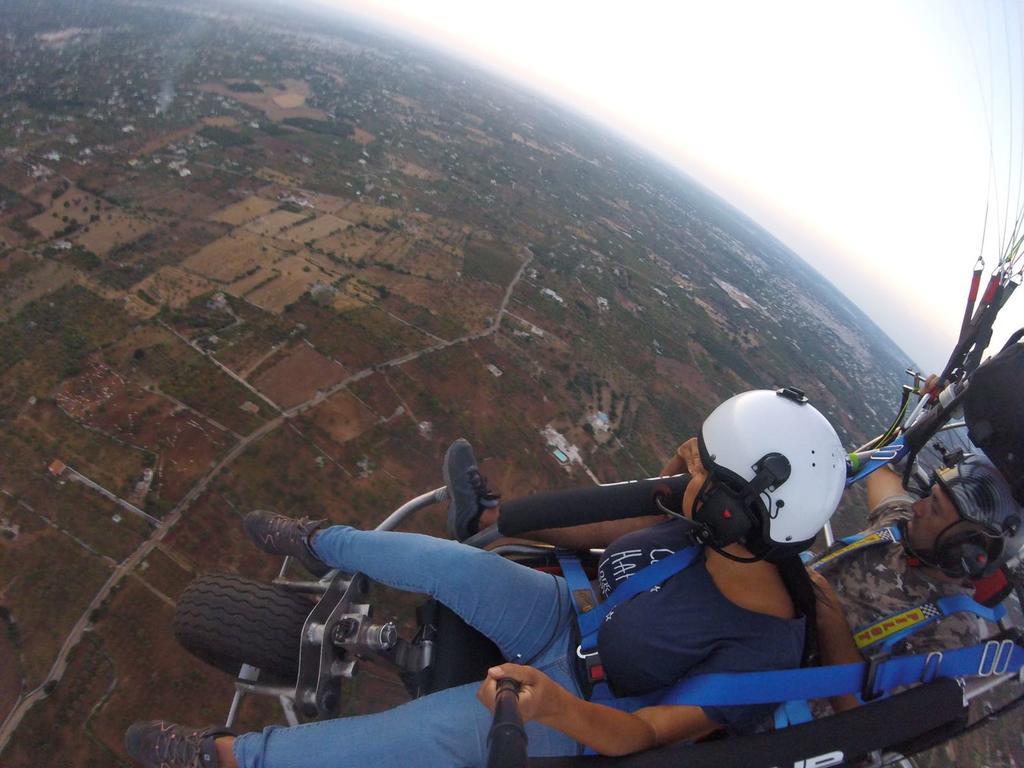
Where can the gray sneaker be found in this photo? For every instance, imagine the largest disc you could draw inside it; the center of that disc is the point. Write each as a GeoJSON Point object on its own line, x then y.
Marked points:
{"type": "Point", "coordinates": [282, 535]}
{"type": "Point", "coordinates": [159, 744]}
{"type": "Point", "coordinates": [467, 490]}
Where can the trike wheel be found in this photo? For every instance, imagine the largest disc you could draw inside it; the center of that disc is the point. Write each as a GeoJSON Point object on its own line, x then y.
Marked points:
{"type": "Point", "coordinates": [227, 620]}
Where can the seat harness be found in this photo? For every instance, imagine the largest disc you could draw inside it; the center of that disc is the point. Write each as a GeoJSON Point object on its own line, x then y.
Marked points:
{"type": "Point", "coordinates": [591, 614]}
{"type": "Point", "coordinates": [871, 679]}
{"type": "Point", "coordinates": [884, 634]}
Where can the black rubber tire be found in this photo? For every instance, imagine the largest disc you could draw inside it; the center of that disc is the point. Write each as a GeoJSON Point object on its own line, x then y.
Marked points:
{"type": "Point", "coordinates": [227, 620]}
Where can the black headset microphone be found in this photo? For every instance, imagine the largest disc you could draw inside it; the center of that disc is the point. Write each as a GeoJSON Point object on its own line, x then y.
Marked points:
{"type": "Point", "coordinates": [959, 557]}
{"type": "Point", "coordinates": [699, 532]}
{"type": "Point", "coordinates": [727, 515]}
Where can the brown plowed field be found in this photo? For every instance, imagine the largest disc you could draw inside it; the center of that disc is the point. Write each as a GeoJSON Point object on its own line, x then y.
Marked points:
{"type": "Point", "coordinates": [113, 229]}
{"type": "Point", "coordinates": [343, 417]}
{"type": "Point", "coordinates": [276, 103]}
{"type": "Point", "coordinates": [272, 223]}
{"type": "Point", "coordinates": [275, 287]}
{"type": "Point", "coordinates": [322, 226]}
{"type": "Point", "coordinates": [185, 443]}
{"type": "Point", "coordinates": [296, 377]}
{"type": "Point", "coordinates": [227, 259]}
{"type": "Point", "coordinates": [73, 204]}
{"type": "Point", "coordinates": [244, 211]}
{"type": "Point", "coordinates": [174, 286]}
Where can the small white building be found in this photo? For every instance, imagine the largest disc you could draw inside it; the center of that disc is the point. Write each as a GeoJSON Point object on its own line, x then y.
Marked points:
{"type": "Point", "coordinates": [600, 421]}
{"type": "Point", "coordinates": [552, 295]}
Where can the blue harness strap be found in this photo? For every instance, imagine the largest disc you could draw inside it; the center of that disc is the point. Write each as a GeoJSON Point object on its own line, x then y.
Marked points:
{"type": "Point", "coordinates": [958, 603]}
{"type": "Point", "coordinates": [590, 613]}
{"type": "Point", "coordinates": [926, 614]}
{"type": "Point", "coordinates": [794, 686]}
{"type": "Point", "coordinates": [994, 657]}
{"type": "Point", "coordinates": [590, 618]}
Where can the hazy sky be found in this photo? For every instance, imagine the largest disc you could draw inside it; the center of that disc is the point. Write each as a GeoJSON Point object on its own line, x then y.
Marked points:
{"type": "Point", "coordinates": [868, 136]}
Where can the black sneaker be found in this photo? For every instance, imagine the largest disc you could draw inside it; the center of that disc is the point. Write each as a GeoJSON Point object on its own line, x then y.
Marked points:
{"type": "Point", "coordinates": [281, 535]}
{"type": "Point", "coordinates": [159, 744]}
{"type": "Point", "coordinates": [467, 490]}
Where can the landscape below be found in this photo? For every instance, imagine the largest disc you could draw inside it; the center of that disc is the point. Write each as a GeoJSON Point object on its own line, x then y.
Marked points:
{"type": "Point", "coordinates": [249, 261]}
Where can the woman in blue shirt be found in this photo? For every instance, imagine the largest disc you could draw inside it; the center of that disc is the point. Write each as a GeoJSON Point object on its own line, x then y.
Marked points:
{"type": "Point", "coordinates": [767, 471]}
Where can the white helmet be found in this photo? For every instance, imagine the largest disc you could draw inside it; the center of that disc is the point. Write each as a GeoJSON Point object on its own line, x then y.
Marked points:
{"type": "Point", "coordinates": [776, 471]}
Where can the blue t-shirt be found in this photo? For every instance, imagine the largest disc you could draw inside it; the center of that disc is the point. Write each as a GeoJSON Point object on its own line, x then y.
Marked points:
{"type": "Point", "coordinates": [685, 627]}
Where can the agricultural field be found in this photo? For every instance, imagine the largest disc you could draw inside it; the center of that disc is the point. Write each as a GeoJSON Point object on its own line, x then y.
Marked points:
{"type": "Point", "coordinates": [26, 278]}
{"type": "Point", "coordinates": [170, 367]}
{"type": "Point", "coordinates": [358, 338]}
{"type": "Point", "coordinates": [179, 443]}
{"type": "Point", "coordinates": [315, 229]}
{"type": "Point", "coordinates": [341, 418]}
{"type": "Point", "coordinates": [233, 256]}
{"type": "Point", "coordinates": [282, 283]}
{"type": "Point", "coordinates": [244, 211]}
{"type": "Point", "coordinates": [278, 102]}
{"type": "Point", "coordinates": [173, 287]}
{"type": "Point", "coordinates": [114, 229]}
{"type": "Point", "coordinates": [490, 261]}
{"type": "Point", "coordinates": [69, 209]}
{"type": "Point", "coordinates": [271, 224]}
{"type": "Point", "coordinates": [295, 375]}
{"type": "Point", "coordinates": [57, 579]}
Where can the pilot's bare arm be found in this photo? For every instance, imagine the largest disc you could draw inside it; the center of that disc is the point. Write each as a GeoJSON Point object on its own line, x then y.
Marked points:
{"type": "Point", "coordinates": [593, 535]}
{"type": "Point", "coordinates": [883, 484]}
{"type": "Point", "coordinates": [835, 640]}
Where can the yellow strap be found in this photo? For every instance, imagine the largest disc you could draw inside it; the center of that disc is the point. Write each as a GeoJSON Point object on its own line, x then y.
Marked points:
{"type": "Point", "coordinates": [867, 541]}
{"type": "Point", "coordinates": [889, 626]}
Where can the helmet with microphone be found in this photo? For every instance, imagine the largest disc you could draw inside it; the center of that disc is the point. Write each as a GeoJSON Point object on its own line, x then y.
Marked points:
{"type": "Point", "coordinates": [776, 470]}
{"type": "Point", "coordinates": [995, 533]}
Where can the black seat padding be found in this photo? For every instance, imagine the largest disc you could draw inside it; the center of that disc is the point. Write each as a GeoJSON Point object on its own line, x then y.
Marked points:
{"type": "Point", "coordinates": [461, 654]}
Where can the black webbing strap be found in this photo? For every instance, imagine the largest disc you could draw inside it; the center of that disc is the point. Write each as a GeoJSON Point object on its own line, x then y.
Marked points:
{"type": "Point", "coordinates": [926, 714]}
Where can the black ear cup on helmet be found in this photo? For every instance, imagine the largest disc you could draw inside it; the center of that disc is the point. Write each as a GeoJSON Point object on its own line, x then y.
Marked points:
{"type": "Point", "coordinates": [982, 497]}
{"type": "Point", "coordinates": [969, 555]}
{"type": "Point", "coordinates": [725, 514]}
{"type": "Point", "coordinates": [960, 553]}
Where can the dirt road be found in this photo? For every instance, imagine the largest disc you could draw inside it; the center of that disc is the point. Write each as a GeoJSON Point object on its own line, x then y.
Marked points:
{"type": "Point", "coordinates": [11, 722]}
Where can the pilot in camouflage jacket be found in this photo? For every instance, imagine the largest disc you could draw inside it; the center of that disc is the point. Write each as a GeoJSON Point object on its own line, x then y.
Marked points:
{"type": "Point", "coordinates": [878, 581]}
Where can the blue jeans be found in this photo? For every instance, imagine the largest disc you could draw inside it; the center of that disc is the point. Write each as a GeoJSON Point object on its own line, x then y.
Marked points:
{"type": "Point", "coordinates": [527, 614]}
